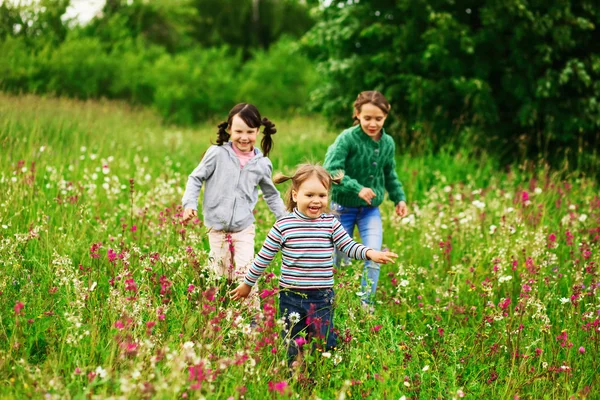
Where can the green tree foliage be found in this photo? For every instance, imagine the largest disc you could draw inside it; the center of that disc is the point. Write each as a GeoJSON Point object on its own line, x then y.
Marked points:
{"type": "Point", "coordinates": [526, 73]}
{"type": "Point", "coordinates": [38, 22]}
{"type": "Point", "coordinates": [278, 79]}
{"type": "Point", "coordinates": [154, 53]}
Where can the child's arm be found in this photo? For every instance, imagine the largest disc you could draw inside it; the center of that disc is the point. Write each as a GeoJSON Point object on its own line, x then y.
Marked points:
{"type": "Point", "coordinates": [356, 250]}
{"type": "Point", "coordinates": [264, 257]}
{"type": "Point", "coordinates": [393, 184]}
{"type": "Point", "coordinates": [335, 162]}
{"type": "Point", "coordinates": [271, 194]}
{"type": "Point", "coordinates": [203, 171]}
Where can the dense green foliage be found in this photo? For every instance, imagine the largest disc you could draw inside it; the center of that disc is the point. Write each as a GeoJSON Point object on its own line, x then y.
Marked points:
{"type": "Point", "coordinates": [525, 73]}
{"type": "Point", "coordinates": [156, 53]}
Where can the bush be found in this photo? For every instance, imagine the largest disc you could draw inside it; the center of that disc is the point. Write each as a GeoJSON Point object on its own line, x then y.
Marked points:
{"type": "Point", "coordinates": [196, 84]}
{"type": "Point", "coordinates": [79, 67]}
{"type": "Point", "coordinates": [279, 79]}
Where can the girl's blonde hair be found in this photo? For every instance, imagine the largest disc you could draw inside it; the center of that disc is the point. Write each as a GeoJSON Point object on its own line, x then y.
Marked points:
{"type": "Point", "coordinates": [303, 172]}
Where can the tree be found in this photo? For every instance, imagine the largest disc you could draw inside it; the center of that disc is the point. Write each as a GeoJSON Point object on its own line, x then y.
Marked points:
{"type": "Point", "coordinates": [524, 73]}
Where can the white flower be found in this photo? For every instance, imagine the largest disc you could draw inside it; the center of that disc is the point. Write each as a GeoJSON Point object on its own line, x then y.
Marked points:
{"type": "Point", "coordinates": [537, 190]}
{"type": "Point", "coordinates": [458, 197]}
{"type": "Point", "coordinates": [447, 189]}
{"type": "Point", "coordinates": [493, 229]}
{"type": "Point", "coordinates": [582, 217]}
{"type": "Point", "coordinates": [101, 372]}
{"type": "Point", "coordinates": [83, 149]}
{"type": "Point", "coordinates": [425, 368]}
{"type": "Point", "coordinates": [188, 345]}
{"type": "Point", "coordinates": [406, 384]}
{"type": "Point", "coordinates": [505, 278]}
{"type": "Point", "coordinates": [42, 149]}
{"type": "Point", "coordinates": [572, 207]}
{"type": "Point", "coordinates": [564, 300]}
{"type": "Point", "coordinates": [93, 286]}
{"type": "Point", "coordinates": [326, 354]}
{"type": "Point", "coordinates": [479, 204]}
{"type": "Point", "coordinates": [404, 282]}
{"type": "Point", "coordinates": [294, 317]}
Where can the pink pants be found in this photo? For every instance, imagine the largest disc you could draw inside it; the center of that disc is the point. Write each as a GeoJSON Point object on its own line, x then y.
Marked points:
{"type": "Point", "coordinates": [231, 255]}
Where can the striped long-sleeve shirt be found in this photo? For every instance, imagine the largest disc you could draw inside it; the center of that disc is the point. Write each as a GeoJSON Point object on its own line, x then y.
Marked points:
{"type": "Point", "coordinates": [306, 247]}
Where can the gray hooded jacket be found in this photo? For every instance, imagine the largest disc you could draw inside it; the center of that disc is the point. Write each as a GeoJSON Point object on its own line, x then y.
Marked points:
{"type": "Point", "coordinates": [231, 192]}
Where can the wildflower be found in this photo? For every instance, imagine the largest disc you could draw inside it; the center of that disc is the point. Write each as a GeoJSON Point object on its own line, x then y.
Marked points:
{"type": "Point", "coordinates": [278, 387]}
{"type": "Point", "coordinates": [337, 359]}
{"type": "Point", "coordinates": [300, 341]}
{"type": "Point", "coordinates": [582, 350]}
{"type": "Point", "coordinates": [425, 368]}
{"type": "Point", "coordinates": [582, 218]}
{"type": "Point", "coordinates": [564, 300]}
{"type": "Point", "coordinates": [460, 393]}
{"type": "Point", "coordinates": [294, 317]}
{"type": "Point", "coordinates": [326, 354]}
{"type": "Point", "coordinates": [19, 307]}
{"type": "Point", "coordinates": [376, 328]}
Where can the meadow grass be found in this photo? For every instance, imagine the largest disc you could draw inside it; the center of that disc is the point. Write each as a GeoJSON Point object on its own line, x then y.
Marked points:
{"type": "Point", "coordinates": [105, 294]}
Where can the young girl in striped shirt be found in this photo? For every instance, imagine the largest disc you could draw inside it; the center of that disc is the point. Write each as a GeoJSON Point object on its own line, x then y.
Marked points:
{"type": "Point", "coordinates": [307, 238]}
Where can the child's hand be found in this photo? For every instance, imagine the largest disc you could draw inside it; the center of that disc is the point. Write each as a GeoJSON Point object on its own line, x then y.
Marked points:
{"type": "Point", "coordinates": [367, 194]}
{"type": "Point", "coordinates": [381, 257]}
{"type": "Point", "coordinates": [240, 292]}
{"type": "Point", "coordinates": [401, 209]}
{"type": "Point", "coordinates": [188, 214]}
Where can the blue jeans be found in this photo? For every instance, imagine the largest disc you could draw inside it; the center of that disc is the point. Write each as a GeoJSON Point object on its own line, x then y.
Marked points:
{"type": "Point", "coordinates": [314, 309]}
{"type": "Point", "coordinates": [368, 220]}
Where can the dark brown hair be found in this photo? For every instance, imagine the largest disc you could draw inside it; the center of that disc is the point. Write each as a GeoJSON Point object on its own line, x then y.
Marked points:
{"type": "Point", "coordinates": [303, 172]}
{"type": "Point", "coordinates": [251, 117]}
{"type": "Point", "coordinates": [373, 97]}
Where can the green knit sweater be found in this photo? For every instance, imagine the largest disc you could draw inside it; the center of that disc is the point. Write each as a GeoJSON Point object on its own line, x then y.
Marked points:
{"type": "Point", "coordinates": [365, 163]}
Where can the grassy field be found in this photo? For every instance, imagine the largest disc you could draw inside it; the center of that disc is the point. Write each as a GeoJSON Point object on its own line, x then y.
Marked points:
{"type": "Point", "coordinates": [103, 292]}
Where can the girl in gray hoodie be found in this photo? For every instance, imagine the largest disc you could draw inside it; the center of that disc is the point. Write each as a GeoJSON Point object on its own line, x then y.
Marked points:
{"type": "Point", "coordinates": [232, 171]}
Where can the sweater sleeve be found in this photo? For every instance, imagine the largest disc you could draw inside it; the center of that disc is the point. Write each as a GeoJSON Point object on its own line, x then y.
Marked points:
{"type": "Point", "coordinates": [344, 243]}
{"type": "Point", "coordinates": [335, 162]}
{"type": "Point", "coordinates": [203, 171]}
{"type": "Point", "coordinates": [270, 192]}
{"type": "Point", "coordinates": [264, 257]}
{"type": "Point", "coordinates": [392, 183]}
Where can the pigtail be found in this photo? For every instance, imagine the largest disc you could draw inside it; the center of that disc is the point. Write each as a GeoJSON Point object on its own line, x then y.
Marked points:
{"type": "Point", "coordinates": [280, 178]}
{"type": "Point", "coordinates": [266, 143]}
{"type": "Point", "coordinates": [337, 178]}
{"type": "Point", "coordinates": [288, 198]}
{"type": "Point", "coordinates": [222, 135]}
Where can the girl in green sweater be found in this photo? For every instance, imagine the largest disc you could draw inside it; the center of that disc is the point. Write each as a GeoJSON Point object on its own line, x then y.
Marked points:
{"type": "Point", "coordinates": [364, 153]}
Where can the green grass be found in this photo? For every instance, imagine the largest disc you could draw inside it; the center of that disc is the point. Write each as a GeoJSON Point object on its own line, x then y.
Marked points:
{"type": "Point", "coordinates": [109, 311]}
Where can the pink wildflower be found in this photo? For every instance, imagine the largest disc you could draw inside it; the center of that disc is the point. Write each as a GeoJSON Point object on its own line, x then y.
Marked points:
{"type": "Point", "coordinates": [279, 387]}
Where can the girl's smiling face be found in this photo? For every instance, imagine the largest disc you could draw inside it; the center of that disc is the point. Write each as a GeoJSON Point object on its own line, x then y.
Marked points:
{"type": "Point", "coordinates": [311, 197]}
{"type": "Point", "coordinates": [371, 120]}
{"type": "Point", "coordinates": [242, 136]}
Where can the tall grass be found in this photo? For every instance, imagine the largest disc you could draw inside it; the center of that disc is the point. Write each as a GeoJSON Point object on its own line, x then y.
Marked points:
{"type": "Point", "coordinates": [104, 293]}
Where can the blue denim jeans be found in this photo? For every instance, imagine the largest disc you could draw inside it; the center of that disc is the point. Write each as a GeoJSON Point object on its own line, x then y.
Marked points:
{"type": "Point", "coordinates": [368, 220]}
{"type": "Point", "coordinates": [307, 311]}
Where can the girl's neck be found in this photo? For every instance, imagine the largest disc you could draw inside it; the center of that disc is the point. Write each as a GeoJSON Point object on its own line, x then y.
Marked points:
{"type": "Point", "coordinates": [238, 151]}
